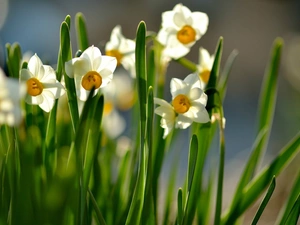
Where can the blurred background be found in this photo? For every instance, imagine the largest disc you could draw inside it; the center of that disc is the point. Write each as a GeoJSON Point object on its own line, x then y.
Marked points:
{"type": "Point", "coordinates": [248, 26]}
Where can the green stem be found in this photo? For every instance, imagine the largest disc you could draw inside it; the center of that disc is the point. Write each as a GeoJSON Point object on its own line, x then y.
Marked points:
{"type": "Point", "coordinates": [187, 64]}
{"type": "Point", "coordinates": [221, 170]}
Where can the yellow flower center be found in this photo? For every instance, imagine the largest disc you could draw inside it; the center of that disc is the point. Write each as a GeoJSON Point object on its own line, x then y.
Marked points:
{"type": "Point", "coordinates": [90, 80]}
{"type": "Point", "coordinates": [115, 53]}
{"type": "Point", "coordinates": [204, 75]}
{"type": "Point", "coordinates": [108, 107]}
{"type": "Point", "coordinates": [181, 104]}
{"type": "Point", "coordinates": [186, 35]}
{"type": "Point", "coordinates": [34, 87]}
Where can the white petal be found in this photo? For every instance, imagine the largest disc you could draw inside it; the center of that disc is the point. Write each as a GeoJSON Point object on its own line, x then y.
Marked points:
{"type": "Point", "coordinates": [183, 122]}
{"type": "Point", "coordinates": [56, 88]}
{"type": "Point", "coordinates": [35, 66]}
{"type": "Point", "coordinates": [195, 94]}
{"type": "Point", "coordinates": [202, 116]}
{"type": "Point", "coordinates": [93, 54]}
{"type": "Point", "coordinates": [200, 22]}
{"type": "Point", "coordinates": [109, 63]}
{"type": "Point", "coordinates": [193, 80]}
{"type": "Point", "coordinates": [78, 67]}
{"type": "Point", "coordinates": [107, 77]}
{"type": "Point", "coordinates": [176, 49]}
{"type": "Point", "coordinates": [114, 39]}
{"type": "Point", "coordinates": [49, 75]}
{"type": "Point", "coordinates": [182, 15]}
{"type": "Point", "coordinates": [167, 19]}
{"type": "Point", "coordinates": [25, 75]}
{"type": "Point", "coordinates": [34, 100]}
{"type": "Point", "coordinates": [128, 63]}
{"type": "Point", "coordinates": [161, 102]}
{"type": "Point", "coordinates": [48, 100]}
{"type": "Point", "coordinates": [127, 46]}
{"type": "Point", "coordinates": [177, 87]}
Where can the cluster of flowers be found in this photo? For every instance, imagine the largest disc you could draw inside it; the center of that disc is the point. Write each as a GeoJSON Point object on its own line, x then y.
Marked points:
{"type": "Point", "coordinates": [180, 29]}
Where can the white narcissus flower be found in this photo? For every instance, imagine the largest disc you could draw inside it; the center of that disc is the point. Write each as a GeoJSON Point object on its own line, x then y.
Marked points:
{"type": "Point", "coordinates": [123, 49]}
{"type": "Point", "coordinates": [181, 28]}
{"type": "Point", "coordinates": [42, 86]}
{"type": "Point", "coordinates": [11, 91]}
{"type": "Point", "coordinates": [205, 64]}
{"type": "Point", "coordinates": [188, 104]}
{"type": "Point", "coordinates": [91, 69]}
{"type": "Point", "coordinates": [167, 113]}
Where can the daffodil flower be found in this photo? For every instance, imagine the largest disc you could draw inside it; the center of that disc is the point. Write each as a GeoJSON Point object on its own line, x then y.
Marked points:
{"type": "Point", "coordinates": [123, 49]}
{"type": "Point", "coordinates": [42, 86]}
{"type": "Point", "coordinates": [11, 91]}
{"type": "Point", "coordinates": [90, 70]}
{"type": "Point", "coordinates": [181, 28]}
{"type": "Point", "coordinates": [205, 64]}
{"type": "Point", "coordinates": [188, 104]}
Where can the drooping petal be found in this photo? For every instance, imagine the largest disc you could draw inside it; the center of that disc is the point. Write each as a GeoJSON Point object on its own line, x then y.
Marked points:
{"type": "Point", "coordinates": [202, 116]}
{"type": "Point", "coordinates": [183, 122]}
{"type": "Point", "coordinates": [34, 100]}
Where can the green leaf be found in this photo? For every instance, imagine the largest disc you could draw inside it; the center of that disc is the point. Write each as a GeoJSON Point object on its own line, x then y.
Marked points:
{"type": "Point", "coordinates": [214, 74]}
{"type": "Point", "coordinates": [287, 208]}
{"type": "Point", "coordinates": [85, 143]}
{"type": "Point", "coordinates": [179, 207]}
{"type": "Point", "coordinates": [100, 218]}
{"type": "Point", "coordinates": [151, 72]}
{"type": "Point", "coordinates": [140, 58]}
{"type": "Point", "coordinates": [82, 38]}
{"type": "Point", "coordinates": [214, 99]}
{"type": "Point", "coordinates": [222, 84]}
{"type": "Point", "coordinates": [248, 171]}
{"type": "Point", "coordinates": [66, 55]}
{"type": "Point", "coordinates": [293, 216]}
{"type": "Point", "coordinates": [148, 210]}
{"type": "Point", "coordinates": [194, 182]}
{"type": "Point", "coordinates": [135, 210]}
{"type": "Point", "coordinates": [68, 20]}
{"type": "Point", "coordinates": [264, 202]}
{"type": "Point", "coordinates": [253, 190]}
{"type": "Point", "coordinates": [14, 58]}
{"type": "Point", "coordinates": [266, 111]}
{"type": "Point", "coordinates": [192, 161]}
{"type": "Point", "coordinates": [268, 96]}
{"type": "Point", "coordinates": [221, 173]}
